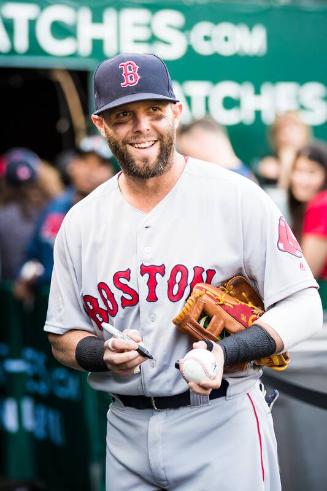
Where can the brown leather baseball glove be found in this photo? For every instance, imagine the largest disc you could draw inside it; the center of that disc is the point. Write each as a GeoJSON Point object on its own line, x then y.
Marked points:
{"type": "Point", "coordinates": [215, 312]}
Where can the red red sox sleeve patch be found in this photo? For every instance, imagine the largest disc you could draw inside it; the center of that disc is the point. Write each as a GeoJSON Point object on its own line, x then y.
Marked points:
{"type": "Point", "coordinates": [286, 240]}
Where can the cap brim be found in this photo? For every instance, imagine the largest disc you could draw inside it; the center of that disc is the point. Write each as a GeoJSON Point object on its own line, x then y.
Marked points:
{"type": "Point", "coordinates": [134, 98]}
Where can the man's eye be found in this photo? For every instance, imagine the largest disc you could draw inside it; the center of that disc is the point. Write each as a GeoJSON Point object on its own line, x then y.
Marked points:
{"type": "Point", "coordinates": [155, 108]}
{"type": "Point", "coordinates": [122, 114]}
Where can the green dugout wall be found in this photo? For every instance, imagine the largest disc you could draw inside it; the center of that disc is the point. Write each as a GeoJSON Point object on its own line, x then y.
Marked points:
{"type": "Point", "coordinates": [241, 62]}
{"type": "Point", "coordinates": [52, 424]}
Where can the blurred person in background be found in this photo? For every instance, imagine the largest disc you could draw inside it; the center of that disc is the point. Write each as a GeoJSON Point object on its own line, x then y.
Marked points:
{"type": "Point", "coordinates": [304, 206]}
{"type": "Point", "coordinates": [314, 229]}
{"type": "Point", "coordinates": [286, 136]}
{"type": "Point", "coordinates": [302, 203]}
{"type": "Point", "coordinates": [22, 199]}
{"type": "Point", "coordinates": [62, 161]}
{"type": "Point", "coordinates": [50, 179]}
{"type": "Point", "coordinates": [85, 169]}
{"type": "Point", "coordinates": [308, 177]}
{"type": "Point", "coordinates": [205, 139]}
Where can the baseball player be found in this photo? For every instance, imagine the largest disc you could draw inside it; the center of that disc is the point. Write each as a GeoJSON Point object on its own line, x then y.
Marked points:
{"type": "Point", "coordinates": [129, 255]}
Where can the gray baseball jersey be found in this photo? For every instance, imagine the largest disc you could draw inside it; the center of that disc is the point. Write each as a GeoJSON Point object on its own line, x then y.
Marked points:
{"type": "Point", "coordinates": [116, 264]}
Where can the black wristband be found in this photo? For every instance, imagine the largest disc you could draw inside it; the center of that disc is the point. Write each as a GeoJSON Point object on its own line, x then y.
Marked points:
{"type": "Point", "coordinates": [89, 354]}
{"type": "Point", "coordinates": [210, 344]}
{"type": "Point", "coordinates": [248, 345]}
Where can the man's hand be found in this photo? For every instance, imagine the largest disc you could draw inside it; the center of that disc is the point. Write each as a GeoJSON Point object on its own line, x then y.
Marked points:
{"type": "Point", "coordinates": [121, 356]}
{"type": "Point", "coordinates": [206, 386]}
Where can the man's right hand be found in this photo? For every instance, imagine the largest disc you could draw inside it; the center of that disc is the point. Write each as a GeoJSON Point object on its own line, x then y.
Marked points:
{"type": "Point", "coordinates": [121, 356]}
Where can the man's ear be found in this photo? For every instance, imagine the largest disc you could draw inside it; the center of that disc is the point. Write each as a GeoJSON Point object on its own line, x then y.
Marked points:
{"type": "Point", "coordinates": [177, 109]}
{"type": "Point", "coordinates": [99, 122]}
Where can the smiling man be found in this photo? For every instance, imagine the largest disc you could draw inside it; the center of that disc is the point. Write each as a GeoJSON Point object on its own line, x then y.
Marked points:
{"type": "Point", "coordinates": [143, 154]}
{"type": "Point", "coordinates": [129, 255]}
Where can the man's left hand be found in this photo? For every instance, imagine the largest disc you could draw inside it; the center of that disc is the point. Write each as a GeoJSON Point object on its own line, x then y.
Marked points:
{"type": "Point", "coordinates": [206, 385]}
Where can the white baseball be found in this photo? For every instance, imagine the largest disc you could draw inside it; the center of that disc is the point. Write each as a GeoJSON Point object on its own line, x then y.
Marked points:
{"type": "Point", "coordinates": [198, 364]}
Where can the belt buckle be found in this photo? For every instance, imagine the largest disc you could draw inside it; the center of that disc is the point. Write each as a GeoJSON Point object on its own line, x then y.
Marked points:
{"type": "Point", "coordinates": [153, 402]}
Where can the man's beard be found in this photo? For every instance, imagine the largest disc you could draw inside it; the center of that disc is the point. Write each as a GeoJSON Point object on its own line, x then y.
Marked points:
{"type": "Point", "coordinates": [144, 170]}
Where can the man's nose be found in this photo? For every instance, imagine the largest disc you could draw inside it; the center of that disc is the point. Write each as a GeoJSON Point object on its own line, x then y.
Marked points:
{"type": "Point", "coordinates": [141, 123]}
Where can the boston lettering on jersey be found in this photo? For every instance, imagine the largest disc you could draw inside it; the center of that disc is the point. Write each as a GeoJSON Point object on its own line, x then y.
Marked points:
{"type": "Point", "coordinates": [177, 280]}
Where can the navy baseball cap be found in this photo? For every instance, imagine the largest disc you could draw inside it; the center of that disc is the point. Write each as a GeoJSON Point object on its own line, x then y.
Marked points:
{"type": "Point", "coordinates": [19, 172]}
{"type": "Point", "coordinates": [131, 77]}
{"type": "Point", "coordinates": [20, 166]}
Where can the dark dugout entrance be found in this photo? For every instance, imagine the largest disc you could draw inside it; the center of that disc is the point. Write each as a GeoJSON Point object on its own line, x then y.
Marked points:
{"type": "Point", "coordinates": [43, 110]}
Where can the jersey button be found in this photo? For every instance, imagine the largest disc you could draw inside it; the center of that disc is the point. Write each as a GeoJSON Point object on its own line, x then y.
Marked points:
{"type": "Point", "coordinates": [153, 317]}
{"type": "Point", "coordinates": [147, 249]}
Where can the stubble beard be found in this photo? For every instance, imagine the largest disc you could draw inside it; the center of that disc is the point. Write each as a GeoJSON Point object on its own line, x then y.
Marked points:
{"type": "Point", "coordinates": [144, 169]}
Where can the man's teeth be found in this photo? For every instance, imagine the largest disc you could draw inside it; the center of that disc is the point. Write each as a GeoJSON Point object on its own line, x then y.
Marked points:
{"type": "Point", "coordinates": [143, 145]}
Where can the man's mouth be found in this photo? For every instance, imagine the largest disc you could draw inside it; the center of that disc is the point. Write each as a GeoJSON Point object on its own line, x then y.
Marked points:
{"type": "Point", "coordinates": [143, 145]}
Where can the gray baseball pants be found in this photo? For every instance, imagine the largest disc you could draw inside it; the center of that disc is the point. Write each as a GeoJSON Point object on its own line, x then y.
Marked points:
{"type": "Point", "coordinates": [225, 445]}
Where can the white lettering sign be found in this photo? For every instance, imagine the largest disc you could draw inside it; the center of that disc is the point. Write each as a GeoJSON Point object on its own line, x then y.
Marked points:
{"type": "Point", "coordinates": [20, 14]}
{"type": "Point", "coordinates": [63, 30]}
{"type": "Point", "coordinates": [171, 43]}
{"type": "Point", "coordinates": [60, 14]}
{"type": "Point", "coordinates": [88, 31]}
{"type": "Point", "coordinates": [71, 30]}
{"type": "Point", "coordinates": [228, 39]}
{"type": "Point", "coordinates": [232, 103]}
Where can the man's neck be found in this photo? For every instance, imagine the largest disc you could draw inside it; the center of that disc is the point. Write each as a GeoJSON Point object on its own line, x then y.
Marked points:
{"type": "Point", "coordinates": [145, 194]}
